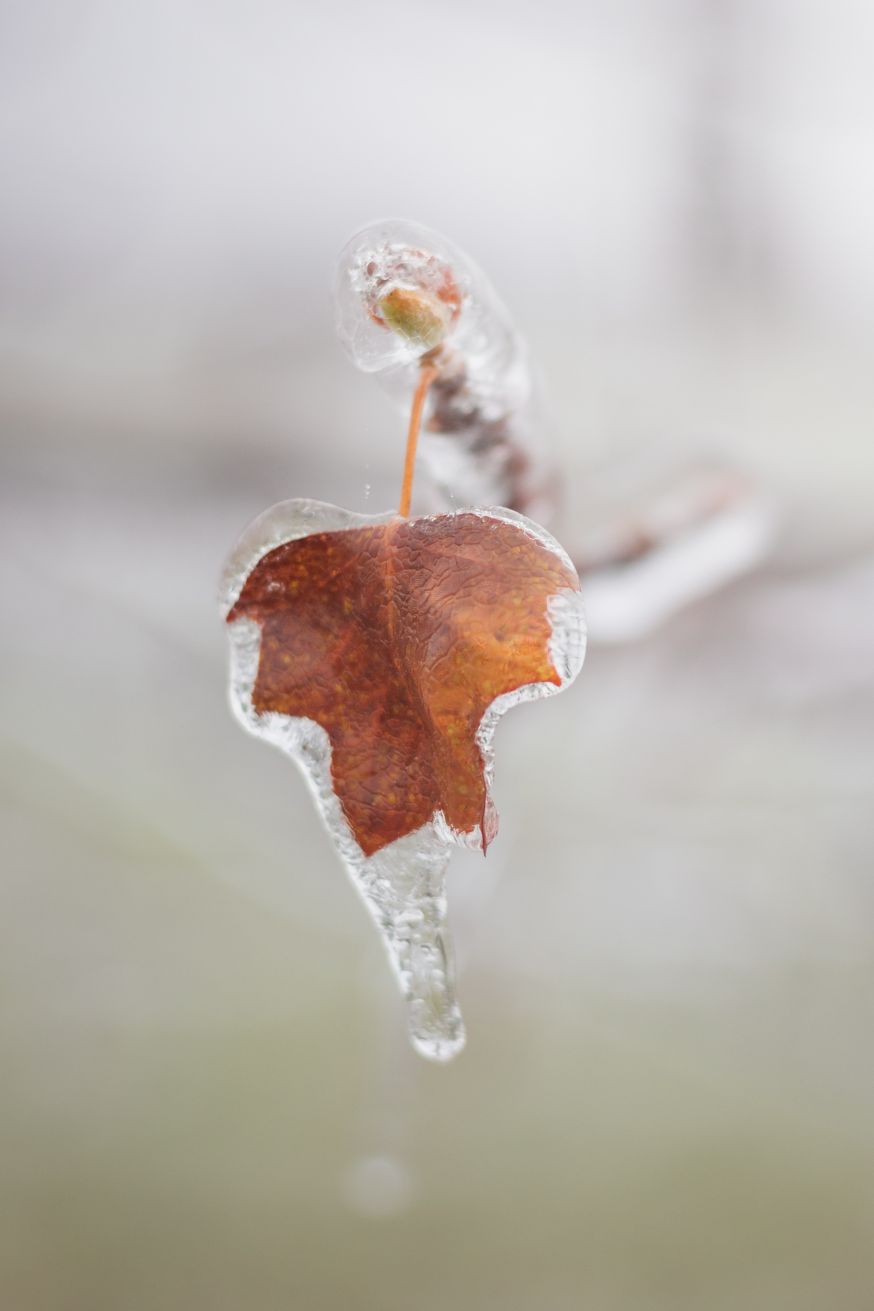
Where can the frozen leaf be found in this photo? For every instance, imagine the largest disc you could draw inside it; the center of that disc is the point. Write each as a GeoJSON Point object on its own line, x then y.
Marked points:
{"type": "Point", "coordinates": [379, 653]}
{"type": "Point", "coordinates": [396, 638]}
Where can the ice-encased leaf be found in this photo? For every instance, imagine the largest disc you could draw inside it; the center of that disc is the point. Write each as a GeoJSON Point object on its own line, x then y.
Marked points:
{"type": "Point", "coordinates": [379, 653]}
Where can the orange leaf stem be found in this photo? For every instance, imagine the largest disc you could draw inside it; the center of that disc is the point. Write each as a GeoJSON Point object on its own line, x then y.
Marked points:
{"type": "Point", "coordinates": [426, 377]}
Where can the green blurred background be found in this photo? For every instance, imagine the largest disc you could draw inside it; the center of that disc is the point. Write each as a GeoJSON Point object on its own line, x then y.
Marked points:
{"type": "Point", "coordinates": [667, 962]}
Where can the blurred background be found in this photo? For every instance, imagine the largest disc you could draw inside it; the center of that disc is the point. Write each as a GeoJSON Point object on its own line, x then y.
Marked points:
{"type": "Point", "coordinates": [667, 962]}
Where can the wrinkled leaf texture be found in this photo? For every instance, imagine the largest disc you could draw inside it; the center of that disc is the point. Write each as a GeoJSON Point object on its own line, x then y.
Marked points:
{"type": "Point", "coordinates": [396, 637]}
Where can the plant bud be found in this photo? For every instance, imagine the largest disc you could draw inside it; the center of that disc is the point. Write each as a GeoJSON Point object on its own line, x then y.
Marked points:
{"type": "Point", "coordinates": [421, 319]}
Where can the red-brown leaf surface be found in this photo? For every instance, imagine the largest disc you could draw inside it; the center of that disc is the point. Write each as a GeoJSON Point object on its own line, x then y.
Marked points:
{"type": "Point", "coordinates": [396, 638]}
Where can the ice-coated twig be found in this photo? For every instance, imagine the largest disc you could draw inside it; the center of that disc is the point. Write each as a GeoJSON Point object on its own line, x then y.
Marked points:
{"type": "Point", "coordinates": [407, 300]}
{"type": "Point", "coordinates": [405, 296]}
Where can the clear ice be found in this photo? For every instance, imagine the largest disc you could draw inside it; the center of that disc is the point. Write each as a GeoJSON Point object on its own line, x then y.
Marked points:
{"type": "Point", "coordinates": [403, 886]}
{"type": "Point", "coordinates": [483, 413]}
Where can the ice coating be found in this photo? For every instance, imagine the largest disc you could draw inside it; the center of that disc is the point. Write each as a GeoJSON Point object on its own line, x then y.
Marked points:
{"type": "Point", "coordinates": [403, 885]}
{"type": "Point", "coordinates": [479, 440]}
{"type": "Point", "coordinates": [389, 258]}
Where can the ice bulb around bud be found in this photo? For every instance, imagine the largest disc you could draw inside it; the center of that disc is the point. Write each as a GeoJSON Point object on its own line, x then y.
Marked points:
{"type": "Point", "coordinates": [404, 293]}
{"type": "Point", "coordinates": [400, 291]}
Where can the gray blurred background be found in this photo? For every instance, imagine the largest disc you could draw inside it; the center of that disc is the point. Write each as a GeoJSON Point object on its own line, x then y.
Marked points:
{"type": "Point", "coordinates": [206, 1098]}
